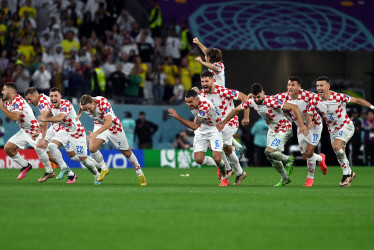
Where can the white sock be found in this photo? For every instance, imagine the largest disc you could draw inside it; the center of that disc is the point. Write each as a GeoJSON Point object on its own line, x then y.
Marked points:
{"type": "Point", "coordinates": [317, 157]}
{"type": "Point", "coordinates": [43, 156]}
{"type": "Point", "coordinates": [53, 148]}
{"type": "Point", "coordinates": [18, 159]}
{"type": "Point", "coordinates": [311, 162]}
{"type": "Point", "coordinates": [278, 165]}
{"type": "Point", "coordinates": [222, 169]}
{"type": "Point", "coordinates": [236, 144]}
{"type": "Point", "coordinates": [208, 161]}
{"type": "Point", "coordinates": [227, 163]}
{"type": "Point", "coordinates": [75, 158]}
{"type": "Point", "coordinates": [343, 161]}
{"type": "Point", "coordinates": [235, 163]}
{"type": "Point", "coordinates": [90, 165]}
{"type": "Point", "coordinates": [98, 157]}
{"type": "Point", "coordinates": [135, 164]}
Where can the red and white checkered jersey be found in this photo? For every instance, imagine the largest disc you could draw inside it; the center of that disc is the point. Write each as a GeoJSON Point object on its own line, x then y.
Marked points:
{"type": "Point", "coordinates": [219, 76]}
{"type": "Point", "coordinates": [271, 111]}
{"type": "Point", "coordinates": [45, 104]}
{"type": "Point", "coordinates": [26, 119]}
{"type": "Point", "coordinates": [71, 126]}
{"type": "Point", "coordinates": [103, 108]}
{"type": "Point", "coordinates": [303, 102]}
{"type": "Point", "coordinates": [333, 110]}
{"type": "Point", "coordinates": [207, 111]}
{"type": "Point", "coordinates": [222, 99]}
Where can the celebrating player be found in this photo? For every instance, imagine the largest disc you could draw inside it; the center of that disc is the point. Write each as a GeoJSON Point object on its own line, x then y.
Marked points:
{"type": "Point", "coordinates": [331, 105]}
{"type": "Point", "coordinates": [16, 109]}
{"type": "Point", "coordinates": [280, 129]}
{"type": "Point", "coordinates": [107, 127]}
{"type": "Point", "coordinates": [206, 132]}
{"type": "Point", "coordinates": [301, 98]}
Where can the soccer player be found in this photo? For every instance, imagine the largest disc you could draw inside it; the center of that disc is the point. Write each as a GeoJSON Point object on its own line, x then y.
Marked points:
{"type": "Point", "coordinates": [222, 99]}
{"type": "Point", "coordinates": [214, 63]}
{"type": "Point", "coordinates": [206, 132]}
{"type": "Point", "coordinates": [107, 128]}
{"type": "Point", "coordinates": [16, 109]}
{"type": "Point", "coordinates": [72, 134]}
{"type": "Point", "coordinates": [300, 97]}
{"type": "Point", "coordinates": [331, 105]}
{"type": "Point", "coordinates": [280, 129]}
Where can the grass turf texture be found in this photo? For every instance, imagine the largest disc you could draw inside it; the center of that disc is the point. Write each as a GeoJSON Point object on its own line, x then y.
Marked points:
{"type": "Point", "coordinates": [175, 212]}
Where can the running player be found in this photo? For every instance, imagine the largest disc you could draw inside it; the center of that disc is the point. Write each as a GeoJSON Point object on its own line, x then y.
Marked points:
{"type": "Point", "coordinates": [280, 129]}
{"type": "Point", "coordinates": [16, 109]}
{"type": "Point", "coordinates": [331, 105]}
{"type": "Point", "coordinates": [107, 128]}
{"type": "Point", "coordinates": [206, 132]}
{"type": "Point", "coordinates": [300, 97]}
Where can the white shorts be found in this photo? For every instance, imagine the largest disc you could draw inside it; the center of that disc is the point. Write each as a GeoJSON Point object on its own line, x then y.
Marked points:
{"type": "Point", "coordinates": [277, 141]}
{"type": "Point", "coordinates": [312, 138]}
{"type": "Point", "coordinates": [344, 134]}
{"type": "Point", "coordinates": [50, 134]}
{"type": "Point", "coordinates": [79, 146]}
{"type": "Point", "coordinates": [213, 138]}
{"type": "Point", "coordinates": [21, 139]}
{"type": "Point", "coordinates": [119, 140]}
{"type": "Point", "coordinates": [227, 133]}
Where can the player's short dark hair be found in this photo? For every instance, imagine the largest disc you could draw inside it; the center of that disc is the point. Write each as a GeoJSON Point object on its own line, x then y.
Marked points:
{"type": "Point", "coordinates": [190, 93]}
{"type": "Point", "coordinates": [30, 91]}
{"type": "Point", "coordinates": [214, 54]}
{"type": "Point", "coordinates": [256, 88]}
{"type": "Point", "coordinates": [55, 89]}
{"type": "Point", "coordinates": [294, 79]}
{"type": "Point", "coordinates": [323, 78]}
{"type": "Point", "coordinates": [11, 85]}
{"type": "Point", "coordinates": [206, 73]}
{"type": "Point", "coordinates": [86, 99]}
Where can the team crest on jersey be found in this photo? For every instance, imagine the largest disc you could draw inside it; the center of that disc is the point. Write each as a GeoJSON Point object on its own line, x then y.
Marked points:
{"type": "Point", "coordinates": [64, 109]}
{"type": "Point", "coordinates": [41, 106]}
{"type": "Point", "coordinates": [107, 110]}
{"type": "Point", "coordinates": [327, 107]}
{"type": "Point", "coordinates": [15, 106]}
{"type": "Point", "coordinates": [233, 93]}
{"type": "Point", "coordinates": [202, 113]}
{"type": "Point", "coordinates": [279, 102]}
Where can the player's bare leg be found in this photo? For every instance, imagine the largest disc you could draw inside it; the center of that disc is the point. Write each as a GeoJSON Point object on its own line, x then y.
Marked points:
{"type": "Point", "coordinates": [348, 175]}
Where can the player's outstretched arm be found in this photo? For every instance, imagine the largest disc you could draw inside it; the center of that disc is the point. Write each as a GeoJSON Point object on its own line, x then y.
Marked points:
{"type": "Point", "coordinates": [295, 109]}
{"type": "Point", "coordinates": [206, 64]}
{"type": "Point", "coordinates": [232, 114]}
{"type": "Point", "coordinates": [187, 123]}
{"type": "Point", "coordinates": [242, 97]}
{"type": "Point", "coordinates": [14, 116]}
{"type": "Point", "coordinates": [362, 102]}
{"type": "Point", "coordinates": [58, 118]}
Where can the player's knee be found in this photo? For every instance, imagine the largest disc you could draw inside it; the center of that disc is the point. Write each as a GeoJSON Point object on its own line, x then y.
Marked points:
{"type": "Point", "coordinates": [268, 153]}
{"type": "Point", "coordinates": [52, 147]}
{"type": "Point", "coordinates": [199, 160]}
{"type": "Point", "coordinates": [8, 149]}
{"type": "Point", "coordinates": [227, 150]}
{"type": "Point", "coordinates": [127, 153]}
{"type": "Point", "coordinates": [93, 148]}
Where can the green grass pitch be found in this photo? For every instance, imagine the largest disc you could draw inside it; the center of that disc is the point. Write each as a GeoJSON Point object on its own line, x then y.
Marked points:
{"type": "Point", "coordinates": [178, 212]}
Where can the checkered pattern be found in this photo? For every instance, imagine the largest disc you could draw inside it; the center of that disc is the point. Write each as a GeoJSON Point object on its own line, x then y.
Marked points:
{"type": "Point", "coordinates": [103, 109]}
{"type": "Point", "coordinates": [271, 111]}
{"type": "Point", "coordinates": [207, 111]}
{"type": "Point", "coordinates": [333, 110]}
{"type": "Point", "coordinates": [222, 99]}
{"type": "Point", "coordinates": [219, 76]}
{"type": "Point", "coordinates": [303, 102]}
{"type": "Point", "coordinates": [71, 126]}
{"type": "Point", "coordinates": [45, 104]}
{"type": "Point", "coordinates": [26, 120]}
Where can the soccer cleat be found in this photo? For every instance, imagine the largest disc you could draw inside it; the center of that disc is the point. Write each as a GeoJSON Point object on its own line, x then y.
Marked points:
{"type": "Point", "coordinates": [282, 182]}
{"type": "Point", "coordinates": [24, 171]}
{"type": "Point", "coordinates": [72, 179]}
{"type": "Point", "coordinates": [241, 151]}
{"type": "Point", "coordinates": [224, 183]}
{"type": "Point", "coordinates": [62, 173]}
{"type": "Point", "coordinates": [309, 182]}
{"type": "Point", "coordinates": [218, 173]}
{"type": "Point", "coordinates": [103, 173]}
{"type": "Point", "coordinates": [347, 180]}
{"type": "Point", "coordinates": [239, 178]}
{"type": "Point", "coordinates": [322, 164]}
{"type": "Point", "coordinates": [47, 176]}
{"type": "Point", "coordinates": [142, 180]}
{"type": "Point", "coordinates": [289, 166]}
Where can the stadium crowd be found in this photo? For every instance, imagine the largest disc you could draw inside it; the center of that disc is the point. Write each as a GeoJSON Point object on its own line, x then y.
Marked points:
{"type": "Point", "coordinates": [98, 47]}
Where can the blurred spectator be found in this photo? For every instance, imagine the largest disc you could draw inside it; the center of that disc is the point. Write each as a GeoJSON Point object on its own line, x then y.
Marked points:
{"type": "Point", "coordinates": [117, 83]}
{"type": "Point", "coordinates": [185, 74]}
{"type": "Point", "coordinates": [98, 81]}
{"type": "Point", "coordinates": [21, 77]}
{"type": "Point", "coordinates": [148, 38]}
{"type": "Point", "coordinates": [26, 49]}
{"type": "Point", "coordinates": [195, 67]}
{"type": "Point", "coordinates": [128, 45]}
{"type": "Point", "coordinates": [174, 26]}
{"type": "Point", "coordinates": [69, 43]}
{"type": "Point", "coordinates": [22, 21]}
{"type": "Point", "coordinates": [158, 80]}
{"type": "Point", "coordinates": [2, 133]}
{"type": "Point", "coordinates": [45, 39]}
{"type": "Point", "coordinates": [126, 65]}
{"type": "Point", "coordinates": [132, 90]}
{"type": "Point", "coordinates": [145, 49]}
{"type": "Point", "coordinates": [76, 81]}
{"type": "Point", "coordinates": [142, 70]}
{"type": "Point", "coordinates": [116, 34]}
{"type": "Point", "coordinates": [7, 75]}
{"type": "Point", "coordinates": [58, 56]}
{"type": "Point", "coordinates": [155, 19]}
{"type": "Point", "coordinates": [3, 30]}
{"type": "Point", "coordinates": [101, 19]}
{"type": "Point", "coordinates": [125, 21]}
{"type": "Point", "coordinates": [145, 131]}
{"type": "Point", "coordinates": [178, 93]}
{"type": "Point", "coordinates": [27, 8]}
{"type": "Point", "coordinates": [35, 65]}
{"type": "Point", "coordinates": [59, 78]}
{"type": "Point", "coordinates": [87, 26]}
{"type": "Point", "coordinates": [42, 17]}
{"type": "Point", "coordinates": [368, 127]}
{"type": "Point", "coordinates": [171, 71]}
{"type": "Point", "coordinates": [181, 141]}
{"type": "Point", "coordinates": [186, 39]}
{"type": "Point", "coordinates": [70, 28]}
{"type": "Point", "coordinates": [129, 126]}
{"type": "Point", "coordinates": [41, 79]}
{"type": "Point", "coordinates": [109, 67]}
{"type": "Point", "coordinates": [84, 57]}
{"type": "Point", "coordinates": [47, 58]}
{"type": "Point", "coordinates": [259, 132]}
{"type": "Point", "coordinates": [173, 47]}
{"type": "Point", "coordinates": [56, 35]}
{"type": "Point", "coordinates": [4, 61]}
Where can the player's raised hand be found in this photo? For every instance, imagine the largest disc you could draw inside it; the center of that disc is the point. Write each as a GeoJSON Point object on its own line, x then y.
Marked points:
{"type": "Point", "coordinates": [198, 59]}
{"type": "Point", "coordinates": [304, 129]}
{"type": "Point", "coordinates": [196, 40]}
{"type": "Point", "coordinates": [92, 136]}
{"type": "Point", "coordinates": [245, 121]}
{"type": "Point", "coordinates": [173, 113]}
{"type": "Point", "coordinates": [220, 126]}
